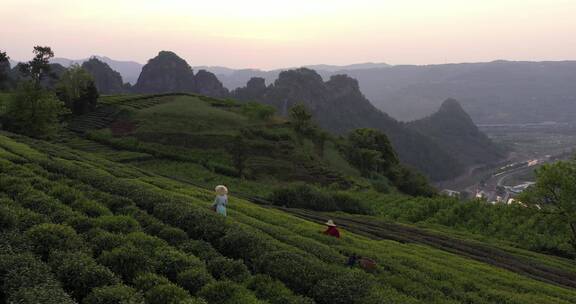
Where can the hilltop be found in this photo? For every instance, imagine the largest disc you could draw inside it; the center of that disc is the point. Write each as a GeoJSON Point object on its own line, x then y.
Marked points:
{"type": "Point", "coordinates": [452, 128]}
{"type": "Point", "coordinates": [168, 73]}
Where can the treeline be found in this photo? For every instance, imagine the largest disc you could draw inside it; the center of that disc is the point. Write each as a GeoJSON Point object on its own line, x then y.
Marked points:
{"type": "Point", "coordinates": [40, 100]}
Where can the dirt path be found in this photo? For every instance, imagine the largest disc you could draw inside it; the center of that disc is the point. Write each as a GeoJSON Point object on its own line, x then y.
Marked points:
{"type": "Point", "coordinates": [376, 229]}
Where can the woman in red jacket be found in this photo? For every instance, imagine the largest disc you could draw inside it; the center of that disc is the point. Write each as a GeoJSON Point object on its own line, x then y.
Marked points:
{"type": "Point", "coordinates": [332, 230]}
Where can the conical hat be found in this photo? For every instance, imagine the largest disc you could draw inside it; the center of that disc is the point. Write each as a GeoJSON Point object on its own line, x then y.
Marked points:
{"type": "Point", "coordinates": [330, 223]}
{"type": "Point", "coordinates": [221, 189]}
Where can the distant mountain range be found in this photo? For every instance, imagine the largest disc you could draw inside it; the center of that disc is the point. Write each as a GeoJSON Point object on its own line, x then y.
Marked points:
{"type": "Point", "coordinates": [492, 92]}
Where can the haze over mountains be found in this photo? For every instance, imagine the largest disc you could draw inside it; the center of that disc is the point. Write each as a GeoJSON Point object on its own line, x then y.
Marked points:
{"type": "Point", "coordinates": [492, 93]}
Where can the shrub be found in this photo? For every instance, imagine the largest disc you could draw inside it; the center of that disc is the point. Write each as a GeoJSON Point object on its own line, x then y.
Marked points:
{"type": "Point", "coordinates": [174, 236]}
{"type": "Point", "coordinates": [242, 244]}
{"type": "Point", "coordinates": [226, 292]}
{"type": "Point", "coordinates": [193, 279]}
{"type": "Point", "coordinates": [22, 271]}
{"type": "Point", "coordinates": [199, 248]}
{"type": "Point", "coordinates": [91, 208]}
{"type": "Point", "coordinates": [170, 262]}
{"type": "Point", "coordinates": [101, 240]}
{"type": "Point", "coordinates": [80, 223]}
{"type": "Point", "coordinates": [225, 268]}
{"type": "Point", "coordinates": [166, 294]}
{"type": "Point", "coordinates": [127, 261]}
{"type": "Point", "coordinates": [28, 218]}
{"type": "Point", "coordinates": [298, 272]}
{"type": "Point", "coordinates": [382, 185]}
{"type": "Point", "coordinates": [47, 237]}
{"type": "Point", "coordinates": [274, 292]}
{"type": "Point", "coordinates": [145, 242]}
{"type": "Point", "coordinates": [8, 218]}
{"type": "Point", "coordinates": [304, 196]}
{"type": "Point", "coordinates": [45, 294]}
{"type": "Point", "coordinates": [116, 294]}
{"type": "Point", "coordinates": [343, 288]}
{"type": "Point", "coordinates": [117, 223]}
{"type": "Point", "coordinates": [196, 222]}
{"type": "Point", "coordinates": [79, 273]}
{"type": "Point", "coordinates": [146, 281]}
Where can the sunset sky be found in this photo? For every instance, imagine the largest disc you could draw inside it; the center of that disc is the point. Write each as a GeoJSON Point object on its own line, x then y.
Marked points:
{"type": "Point", "coordinates": [270, 34]}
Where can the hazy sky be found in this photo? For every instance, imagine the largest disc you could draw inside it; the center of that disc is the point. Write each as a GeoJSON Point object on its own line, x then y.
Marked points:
{"type": "Point", "coordinates": [280, 33]}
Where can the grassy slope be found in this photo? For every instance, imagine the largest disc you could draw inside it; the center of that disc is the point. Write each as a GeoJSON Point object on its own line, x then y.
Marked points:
{"type": "Point", "coordinates": [408, 273]}
{"type": "Point", "coordinates": [197, 116]}
{"type": "Point", "coordinates": [198, 131]}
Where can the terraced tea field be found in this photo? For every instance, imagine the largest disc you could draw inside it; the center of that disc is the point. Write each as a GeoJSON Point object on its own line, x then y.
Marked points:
{"type": "Point", "coordinates": [150, 238]}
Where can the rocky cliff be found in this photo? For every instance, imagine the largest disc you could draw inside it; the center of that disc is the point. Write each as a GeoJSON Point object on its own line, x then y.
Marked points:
{"type": "Point", "coordinates": [167, 73]}
{"type": "Point", "coordinates": [106, 79]}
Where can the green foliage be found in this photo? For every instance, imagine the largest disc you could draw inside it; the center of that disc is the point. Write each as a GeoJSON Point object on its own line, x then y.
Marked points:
{"type": "Point", "coordinates": [77, 90]}
{"type": "Point", "coordinates": [116, 294]}
{"type": "Point", "coordinates": [79, 273]}
{"type": "Point", "coordinates": [239, 151]}
{"type": "Point", "coordinates": [227, 269]}
{"type": "Point", "coordinates": [194, 279]}
{"type": "Point", "coordinates": [267, 241]}
{"type": "Point", "coordinates": [118, 223]}
{"type": "Point", "coordinates": [412, 182]}
{"type": "Point", "coordinates": [555, 191]}
{"type": "Point", "coordinates": [39, 67]}
{"type": "Point", "coordinates": [227, 292]}
{"type": "Point", "coordinates": [295, 270]}
{"type": "Point", "coordinates": [33, 111]}
{"type": "Point", "coordinates": [274, 292]}
{"type": "Point", "coordinates": [126, 261]}
{"type": "Point", "coordinates": [174, 236]}
{"type": "Point", "coordinates": [4, 69]}
{"type": "Point", "coordinates": [8, 218]}
{"type": "Point", "coordinates": [171, 261]}
{"type": "Point", "coordinates": [147, 281]}
{"type": "Point", "coordinates": [24, 279]}
{"type": "Point", "coordinates": [371, 151]}
{"type": "Point", "coordinates": [166, 294]}
{"type": "Point", "coordinates": [45, 294]}
{"type": "Point", "coordinates": [258, 111]}
{"type": "Point", "coordinates": [304, 196]}
{"type": "Point", "coordinates": [345, 288]}
{"type": "Point", "coordinates": [301, 119]}
{"type": "Point", "coordinates": [101, 240]}
{"type": "Point", "coordinates": [45, 238]}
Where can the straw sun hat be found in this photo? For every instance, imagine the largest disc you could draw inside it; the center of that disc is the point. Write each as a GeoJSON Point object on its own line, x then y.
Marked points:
{"type": "Point", "coordinates": [221, 190]}
{"type": "Point", "coordinates": [330, 223]}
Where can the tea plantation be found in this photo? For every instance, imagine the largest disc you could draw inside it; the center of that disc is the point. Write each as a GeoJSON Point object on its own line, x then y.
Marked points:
{"type": "Point", "coordinates": [116, 210]}
{"type": "Point", "coordinates": [79, 228]}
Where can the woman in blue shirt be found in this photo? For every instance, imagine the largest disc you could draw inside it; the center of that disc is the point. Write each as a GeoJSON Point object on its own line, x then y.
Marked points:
{"type": "Point", "coordinates": [221, 200]}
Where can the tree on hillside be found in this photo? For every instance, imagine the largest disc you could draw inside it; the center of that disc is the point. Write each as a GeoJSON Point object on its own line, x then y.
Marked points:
{"type": "Point", "coordinates": [555, 192]}
{"type": "Point", "coordinates": [33, 111]}
{"type": "Point", "coordinates": [78, 90]}
{"type": "Point", "coordinates": [319, 138]}
{"type": "Point", "coordinates": [362, 140]}
{"type": "Point", "coordinates": [301, 119]}
{"type": "Point", "coordinates": [4, 68]}
{"type": "Point", "coordinates": [239, 151]}
{"type": "Point", "coordinates": [39, 67]}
